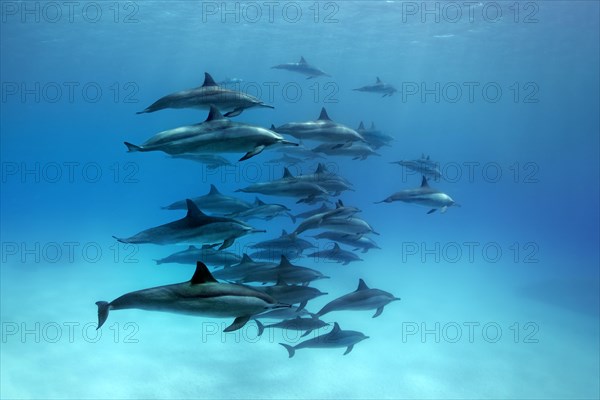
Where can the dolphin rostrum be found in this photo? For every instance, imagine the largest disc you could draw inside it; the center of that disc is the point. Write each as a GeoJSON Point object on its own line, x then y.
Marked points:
{"type": "Point", "coordinates": [201, 296]}
{"type": "Point", "coordinates": [363, 298]}
{"type": "Point", "coordinates": [336, 338]}
{"type": "Point", "coordinates": [210, 93]}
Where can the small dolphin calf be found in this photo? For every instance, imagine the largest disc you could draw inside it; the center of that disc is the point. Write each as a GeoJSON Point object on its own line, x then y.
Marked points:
{"type": "Point", "coordinates": [336, 254]}
{"type": "Point", "coordinates": [336, 338]}
{"type": "Point", "coordinates": [295, 324]}
{"type": "Point", "coordinates": [424, 195]}
{"type": "Point", "coordinates": [207, 253]}
{"type": "Point", "coordinates": [302, 67]}
{"type": "Point", "coordinates": [215, 202]}
{"type": "Point", "coordinates": [378, 87]}
{"type": "Point", "coordinates": [358, 151]}
{"type": "Point", "coordinates": [206, 95]}
{"type": "Point", "coordinates": [262, 210]}
{"type": "Point", "coordinates": [363, 298]}
{"type": "Point", "coordinates": [374, 137]}
{"type": "Point", "coordinates": [193, 228]}
{"type": "Point", "coordinates": [211, 161]}
{"type": "Point", "coordinates": [216, 134]}
{"type": "Point", "coordinates": [202, 296]}
{"type": "Point", "coordinates": [358, 242]}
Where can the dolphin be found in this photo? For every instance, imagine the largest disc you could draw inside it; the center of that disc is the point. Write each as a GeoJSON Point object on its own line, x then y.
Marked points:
{"type": "Point", "coordinates": [363, 298]}
{"type": "Point", "coordinates": [374, 137]}
{"type": "Point", "coordinates": [210, 93]}
{"type": "Point", "coordinates": [336, 218]}
{"type": "Point", "coordinates": [323, 130]}
{"type": "Point", "coordinates": [310, 213]}
{"type": "Point", "coordinates": [336, 338]}
{"type": "Point", "coordinates": [358, 242]}
{"type": "Point", "coordinates": [211, 161]}
{"type": "Point", "coordinates": [262, 210]}
{"type": "Point", "coordinates": [287, 187]}
{"type": "Point", "coordinates": [207, 253]}
{"type": "Point", "coordinates": [291, 294]}
{"type": "Point", "coordinates": [216, 134]}
{"type": "Point", "coordinates": [294, 324]}
{"type": "Point", "coordinates": [336, 254]}
{"type": "Point", "coordinates": [424, 166]}
{"type": "Point", "coordinates": [275, 254]}
{"type": "Point", "coordinates": [287, 272]}
{"type": "Point", "coordinates": [424, 195]}
{"type": "Point", "coordinates": [215, 202]}
{"type": "Point", "coordinates": [378, 87]}
{"type": "Point", "coordinates": [358, 151]}
{"type": "Point", "coordinates": [347, 225]}
{"type": "Point", "coordinates": [286, 160]}
{"type": "Point", "coordinates": [328, 181]}
{"type": "Point", "coordinates": [284, 241]}
{"type": "Point", "coordinates": [193, 228]}
{"type": "Point", "coordinates": [202, 296]}
{"type": "Point", "coordinates": [238, 271]}
{"type": "Point", "coordinates": [283, 313]}
{"type": "Point", "coordinates": [230, 82]}
{"type": "Point", "coordinates": [302, 67]}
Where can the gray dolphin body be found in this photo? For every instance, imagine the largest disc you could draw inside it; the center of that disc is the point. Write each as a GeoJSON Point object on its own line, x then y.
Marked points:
{"type": "Point", "coordinates": [285, 241]}
{"type": "Point", "coordinates": [332, 183]}
{"type": "Point", "coordinates": [275, 254]}
{"type": "Point", "coordinates": [292, 294]}
{"type": "Point", "coordinates": [295, 324]}
{"type": "Point", "coordinates": [287, 272]}
{"type": "Point", "coordinates": [374, 137]}
{"type": "Point", "coordinates": [195, 227]}
{"type": "Point", "coordinates": [215, 202]}
{"type": "Point", "coordinates": [363, 298]}
{"type": "Point", "coordinates": [358, 151]}
{"type": "Point", "coordinates": [305, 191]}
{"type": "Point", "coordinates": [336, 254]}
{"type": "Point", "coordinates": [358, 242]}
{"type": "Point", "coordinates": [216, 134]}
{"type": "Point", "coordinates": [339, 219]}
{"type": "Point", "coordinates": [245, 267]}
{"type": "Point", "coordinates": [283, 313]}
{"type": "Point", "coordinates": [336, 338]}
{"type": "Point", "coordinates": [262, 210]}
{"type": "Point", "coordinates": [202, 296]}
{"type": "Point", "coordinates": [302, 67]}
{"type": "Point", "coordinates": [210, 93]}
{"type": "Point", "coordinates": [207, 253]}
{"type": "Point", "coordinates": [323, 130]}
{"type": "Point", "coordinates": [378, 87]}
{"type": "Point", "coordinates": [310, 213]}
{"type": "Point", "coordinates": [424, 195]}
{"type": "Point", "coordinates": [211, 161]}
{"type": "Point", "coordinates": [286, 160]}
{"type": "Point", "coordinates": [424, 166]}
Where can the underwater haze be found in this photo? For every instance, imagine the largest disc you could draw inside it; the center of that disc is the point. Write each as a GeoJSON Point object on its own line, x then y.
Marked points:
{"type": "Point", "coordinates": [499, 291]}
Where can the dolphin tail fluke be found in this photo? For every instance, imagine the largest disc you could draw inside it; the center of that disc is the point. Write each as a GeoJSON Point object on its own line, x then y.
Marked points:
{"type": "Point", "coordinates": [103, 308]}
{"type": "Point", "coordinates": [132, 148]}
{"type": "Point", "coordinates": [291, 350]}
{"type": "Point", "coordinates": [238, 323]}
{"type": "Point", "coordinates": [260, 327]}
{"type": "Point", "coordinates": [263, 105]}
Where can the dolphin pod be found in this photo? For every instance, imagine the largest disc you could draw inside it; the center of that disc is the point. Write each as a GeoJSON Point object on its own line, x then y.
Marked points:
{"type": "Point", "coordinates": [244, 286]}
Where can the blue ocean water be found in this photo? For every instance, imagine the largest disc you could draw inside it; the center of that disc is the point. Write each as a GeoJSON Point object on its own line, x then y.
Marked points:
{"type": "Point", "coordinates": [500, 297]}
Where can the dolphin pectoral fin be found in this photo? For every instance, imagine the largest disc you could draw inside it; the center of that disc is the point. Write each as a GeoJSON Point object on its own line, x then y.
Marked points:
{"type": "Point", "coordinates": [233, 113]}
{"type": "Point", "coordinates": [250, 154]}
{"type": "Point", "coordinates": [227, 243]}
{"type": "Point", "coordinates": [290, 349]}
{"type": "Point", "coordinates": [237, 323]}
{"type": "Point", "coordinates": [292, 217]}
{"type": "Point", "coordinates": [444, 209]}
{"type": "Point", "coordinates": [431, 211]}
{"type": "Point", "coordinates": [302, 305]}
{"type": "Point", "coordinates": [260, 327]}
{"type": "Point", "coordinates": [378, 312]}
{"type": "Point", "coordinates": [349, 349]}
{"type": "Point", "coordinates": [103, 308]}
{"type": "Point", "coordinates": [306, 333]}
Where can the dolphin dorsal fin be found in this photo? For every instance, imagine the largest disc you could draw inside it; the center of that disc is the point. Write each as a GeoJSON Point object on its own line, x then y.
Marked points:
{"type": "Point", "coordinates": [336, 329]}
{"type": "Point", "coordinates": [320, 169]}
{"type": "Point", "coordinates": [424, 182]}
{"type": "Point", "coordinates": [361, 285]}
{"type": "Point", "coordinates": [272, 127]}
{"type": "Point", "coordinates": [208, 80]}
{"type": "Point", "coordinates": [259, 202]}
{"type": "Point", "coordinates": [214, 114]}
{"type": "Point", "coordinates": [192, 247]}
{"type": "Point", "coordinates": [286, 173]}
{"type": "Point", "coordinates": [284, 232]}
{"type": "Point", "coordinates": [323, 116]}
{"type": "Point", "coordinates": [246, 259]}
{"type": "Point", "coordinates": [372, 125]}
{"type": "Point", "coordinates": [361, 127]}
{"type": "Point", "coordinates": [302, 60]}
{"type": "Point", "coordinates": [377, 80]}
{"type": "Point", "coordinates": [202, 274]}
{"type": "Point", "coordinates": [336, 247]}
{"type": "Point", "coordinates": [284, 263]}
{"type": "Point", "coordinates": [213, 190]}
{"type": "Point", "coordinates": [193, 211]}
{"type": "Point", "coordinates": [280, 281]}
